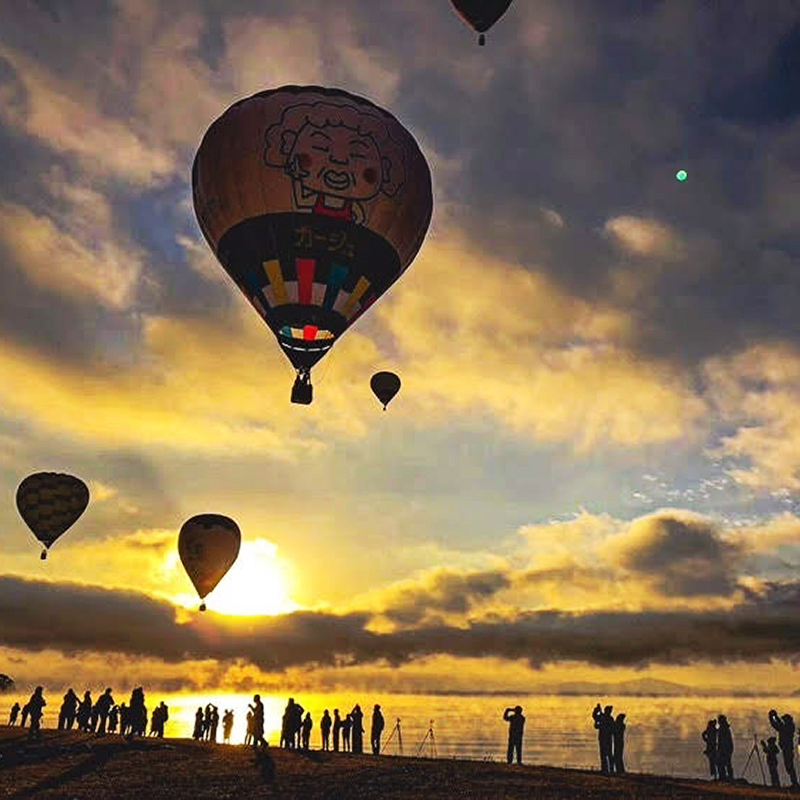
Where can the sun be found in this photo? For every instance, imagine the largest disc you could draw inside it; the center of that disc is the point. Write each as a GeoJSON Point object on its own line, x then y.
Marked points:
{"type": "Point", "coordinates": [255, 585]}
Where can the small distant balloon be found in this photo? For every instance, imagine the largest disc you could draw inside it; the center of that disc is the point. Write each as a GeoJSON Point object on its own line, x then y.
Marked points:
{"type": "Point", "coordinates": [208, 544]}
{"type": "Point", "coordinates": [481, 14]}
{"type": "Point", "coordinates": [681, 175]}
{"type": "Point", "coordinates": [50, 503]}
{"type": "Point", "coordinates": [385, 385]}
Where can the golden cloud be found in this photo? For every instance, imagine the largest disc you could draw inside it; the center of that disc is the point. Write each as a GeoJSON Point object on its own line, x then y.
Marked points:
{"type": "Point", "coordinates": [478, 335]}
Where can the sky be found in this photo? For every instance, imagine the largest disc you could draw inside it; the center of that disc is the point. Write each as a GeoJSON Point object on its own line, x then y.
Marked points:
{"type": "Point", "coordinates": [592, 470]}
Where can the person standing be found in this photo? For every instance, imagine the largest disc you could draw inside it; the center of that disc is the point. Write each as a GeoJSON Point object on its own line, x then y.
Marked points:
{"type": "Point", "coordinates": [785, 727]}
{"type": "Point", "coordinates": [306, 727]}
{"type": "Point", "coordinates": [12, 720]}
{"type": "Point", "coordinates": [337, 727]}
{"type": "Point", "coordinates": [724, 748]}
{"type": "Point", "coordinates": [618, 732]}
{"type": "Point", "coordinates": [376, 730]}
{"type": "Point", "coordinates": [516, 727]}
{"type": "Point", "coordinates": [347, 724]}
{"type": "Point", "coordinates": [66, 716]}
{"type": "Point", "coordinates": [771, 751]}
{"type": "Point", "coordinates": [258, 721]}
{"type": "Point", "coordinates": [35, 706]}
{"type": "Point", "coordinates": [325, 730]}
{"type": "Point", "coordinates": [26, 709]}
{"type": "Point", "coordinates": [710, 738]}
{"type": "Point", "coordinates": [113, 719]}
{"type": "Point", "coordinates": [227, 725]}
{"type": "Point", "coordinates": [103, 706]}
{"type": "Point", "coordinates": [85, 711]}
{"type": "Point", "coordinates": [604, 723]}
{"type": "Point", "coordinates": [357, 732]}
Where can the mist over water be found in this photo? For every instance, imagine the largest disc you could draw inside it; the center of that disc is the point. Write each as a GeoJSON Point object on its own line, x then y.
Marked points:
{"type": "Point", "coordinates": [663, 734]}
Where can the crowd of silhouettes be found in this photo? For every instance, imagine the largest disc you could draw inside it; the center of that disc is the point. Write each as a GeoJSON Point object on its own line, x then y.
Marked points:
{"type": "Point", "coordinates": [611, 739]}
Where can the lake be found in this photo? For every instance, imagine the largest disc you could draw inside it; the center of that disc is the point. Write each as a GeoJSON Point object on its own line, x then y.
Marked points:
{"type": "Point", "coordinates": [663, 734]}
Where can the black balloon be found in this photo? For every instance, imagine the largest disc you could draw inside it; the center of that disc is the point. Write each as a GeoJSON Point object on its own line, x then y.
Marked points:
{"type": "Point", "coordinates": [385, 385]}
{"type": "Point", "coordinates": [481, 14]}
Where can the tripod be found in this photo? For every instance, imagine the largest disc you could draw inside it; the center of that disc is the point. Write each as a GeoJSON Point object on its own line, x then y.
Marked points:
{"type": "Point", "coordinates": [399, 733]}
{"type": "Point", "coordinates": [754, 749]}
{"type": "Point", "coordinates": [430, 739]}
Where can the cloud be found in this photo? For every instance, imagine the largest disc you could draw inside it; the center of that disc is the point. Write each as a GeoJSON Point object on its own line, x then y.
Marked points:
{"type": "Point", "coordinates": [681, 553]}
{"type": "Point", "coordinates": [77, 252]}
{"type": "Point", "coordinates": [758, 390]}
{"type": "Point", "coordinates": [645, 237]}
{"type": "Point", "coordinates": [38, 616]}
{"type": "Point", "coordinates": [67, 117]}
{"type": "Point", "coordinates": [476, 334]}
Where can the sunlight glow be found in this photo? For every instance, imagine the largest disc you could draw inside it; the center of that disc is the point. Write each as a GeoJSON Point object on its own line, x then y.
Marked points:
{"type": "Point", "coordinates": [254, 586]}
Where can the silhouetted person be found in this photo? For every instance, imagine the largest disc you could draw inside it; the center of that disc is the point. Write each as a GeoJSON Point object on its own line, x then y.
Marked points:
{"type": "Point", "coordinates": [248, 736]}
{"type": "Point", "coordinates": [12, 720]}
{"type": "Point", "coordinates": [376, 730]}
{"type": "Point", "coordinates": [85, 711]}
{"type": "Point", "coordinates": [197, 733]}
{"type": "Point", "coordinates": [357, 730]}
{"type": "Point", "coordinates": [307, 725]}
{"type": "Point", "coordinates": [69, 708]}
{"type": "Point", "coordinates": [771, 751]}
{"type": "Point", "coordinates": [337, 727]}
{"type": "Point", "coordinates": [103, 706]}
{"type": "Point", "coordinates": [25, 711]}
{"type": "Point", "coordinates": [164, 716]}
{"type": "Point", "coordinates": [137, 713]}
{"type": "Point", "coordinates": [258, 721]}
{"type": "Point", "coordinates": [207, 722]}
{"type": "Point", "coordinates": [227, 725]}
{"type": "Point", "coordinates": [214, 723]}
{"type": "Point", "coordinates": [113, 719]}
{"type": "Point", "coordinates": [347, 724]}
{"type": "Point", "coordinates": [516, 726]}
{"type": "Point", "coordinates": [710, 738]}
{"type": "Point", "coordinates": [124, 719]}
{"type": "Point", "coordinates": [288, 724]}
{"type": "Point", "coordinates": [35, 706]}
{"type": "Point", "coordinates": [785, 727]}
{"type": "Point", "coordinates": [296, 723]}
{"type": "Point", "coordinates": [95, 713]}
{"type": "Point", "coordinates": [619, 744]}
{"type": "Point", "coordinates": [724, 749]}
{"type": "Point", "coordinates": [604, 723]}
{"type": "Point", "coordinates": [325, 729]}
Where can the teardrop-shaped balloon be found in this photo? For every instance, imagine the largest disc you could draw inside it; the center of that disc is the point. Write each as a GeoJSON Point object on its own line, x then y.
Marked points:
{"type": "Point", "coordinates": [50, 503]}
{"type": "Point", "coordinates": [314, 201]}
{"type": "Point", "coordinates": [385, 385]}
{"type": "Point", "coordinates": [208, 544]}
{"type": "Point", "coordinates": [481, 14]}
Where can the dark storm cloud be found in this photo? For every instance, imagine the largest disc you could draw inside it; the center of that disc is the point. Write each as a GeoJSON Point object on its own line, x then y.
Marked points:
{"type": "Point", "coordinates": [683, 556]}
{"type": "Point", "coordinates": [73, 619]}
{"type": "Point", "coordinates": [444, 592]}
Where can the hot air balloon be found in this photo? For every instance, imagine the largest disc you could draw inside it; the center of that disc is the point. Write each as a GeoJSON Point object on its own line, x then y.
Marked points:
{"type": "Point", "coordinates": [208, 544]}
{"type": "Point", "coordinates": [314, 201]}
{"type": "Point", "coordinates": [50, 503]}
{"type": "Point", "coordinates": [481, 14]}
{"type": "Point", "coordinates": [385, 385]}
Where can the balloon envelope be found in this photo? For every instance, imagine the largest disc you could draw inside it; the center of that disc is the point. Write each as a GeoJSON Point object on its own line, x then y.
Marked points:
{"type": "Point", "coordinates": [50, 503]}
{"type": "Point", "coordinates": [314, 201]}
{"type": "Point", "coordinates": [385, 385]}
{"type": "Point", "coordinates": [481, 14]}
{"type": "Point", "coordinates": [208, 544]}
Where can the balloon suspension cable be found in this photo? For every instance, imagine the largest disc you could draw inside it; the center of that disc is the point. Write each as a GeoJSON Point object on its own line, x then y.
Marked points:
{"type": "Point", "coordinates": [302, 391]}
{"type": "Point", "coordinates": [43, 555]}
{"type": "Point", "coordinates": [481, 40]}
{"type": "Point", "coordinates": [202, 606]}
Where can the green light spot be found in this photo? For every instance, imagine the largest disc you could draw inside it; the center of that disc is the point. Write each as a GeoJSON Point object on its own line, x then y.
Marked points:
{"type": "Point", "coordinates": [681, 175]}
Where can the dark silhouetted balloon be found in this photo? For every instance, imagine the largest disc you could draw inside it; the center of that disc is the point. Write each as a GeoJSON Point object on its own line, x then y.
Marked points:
{"type": "Point", "coordinates": [50, 503]}
{"type": "Point", "coordinates": [208, 544]}
{"type": "Point", "coordinates": [314, 201]}
{"type": "Point", "coordinates": [481, 14]}
{"type": "Point", "coordinates": [385, 385]}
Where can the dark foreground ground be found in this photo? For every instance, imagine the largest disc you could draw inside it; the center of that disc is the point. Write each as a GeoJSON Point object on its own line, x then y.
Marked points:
{"type": "Point", "coordinates": [77, 765]}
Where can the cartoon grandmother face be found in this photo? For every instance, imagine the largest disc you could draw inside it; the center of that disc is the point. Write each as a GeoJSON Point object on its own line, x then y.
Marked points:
{"type": "Point", "coordinates": [337, 160]}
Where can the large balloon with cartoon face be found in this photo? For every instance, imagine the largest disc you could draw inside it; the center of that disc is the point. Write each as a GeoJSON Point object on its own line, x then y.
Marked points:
{"type": "Point", "coordinates": [314, 201]}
